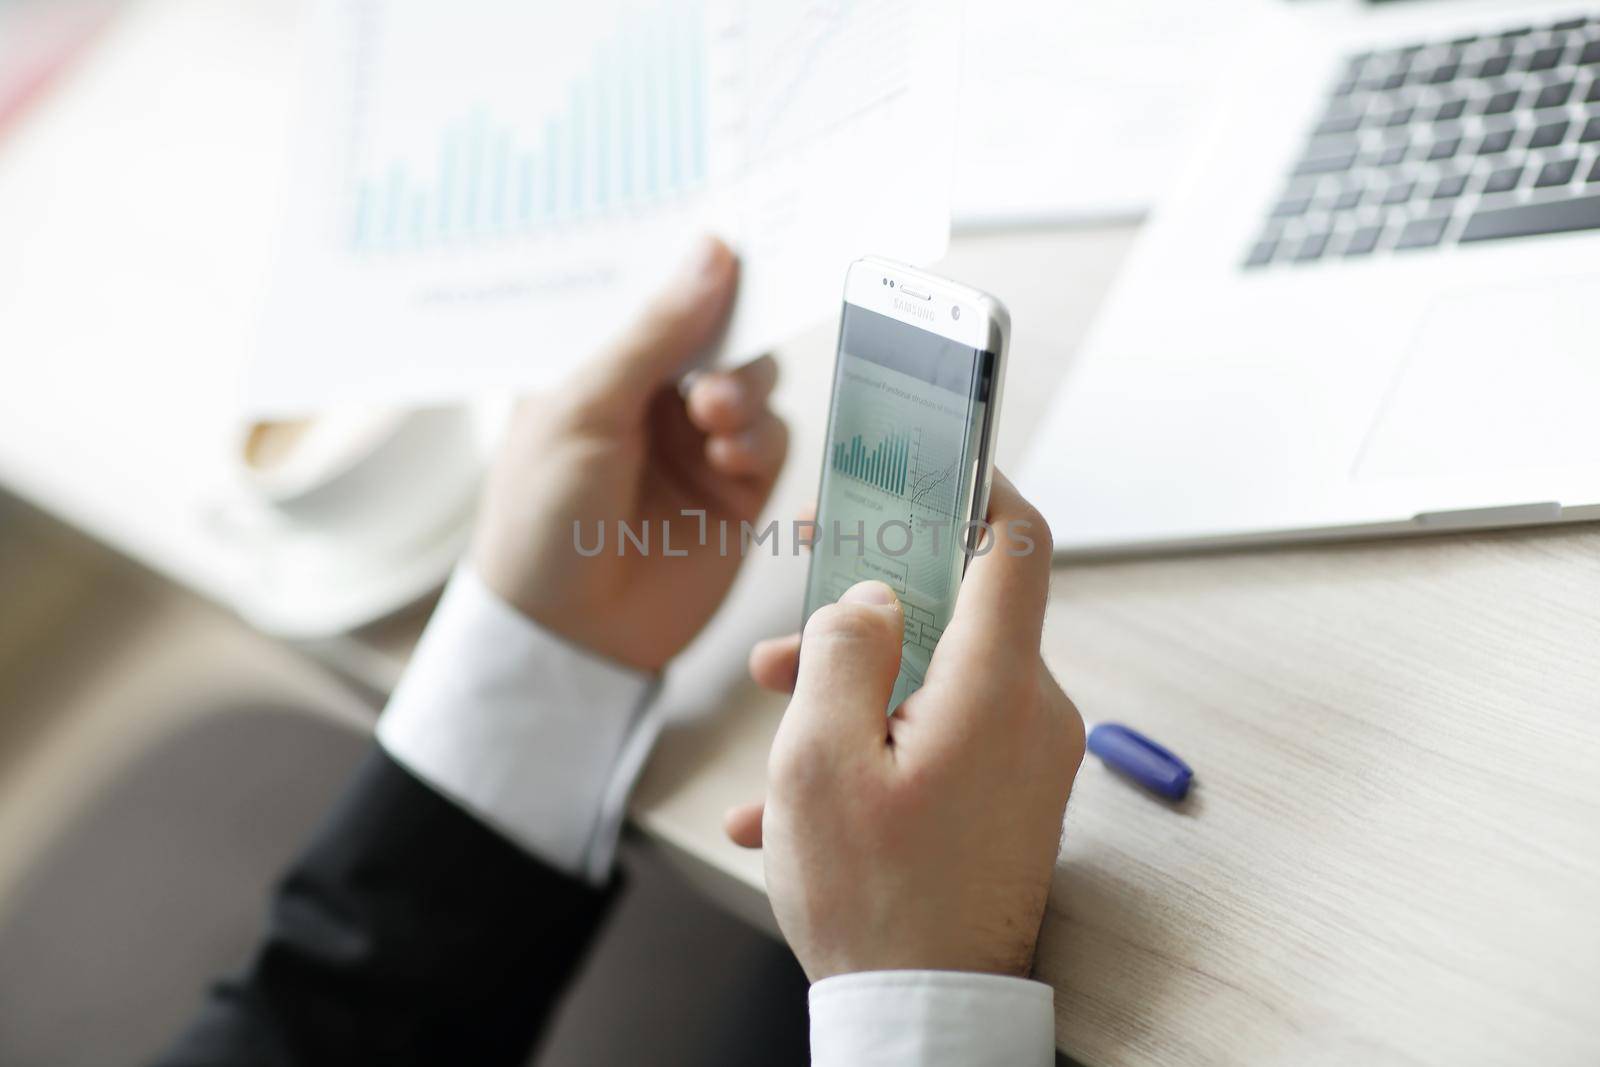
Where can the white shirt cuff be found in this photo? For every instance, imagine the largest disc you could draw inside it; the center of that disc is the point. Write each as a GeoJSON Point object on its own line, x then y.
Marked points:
{"type": "Point", "coordinates": [538, 738]}
{"type": "Point", "coordinates": [931, 1019]}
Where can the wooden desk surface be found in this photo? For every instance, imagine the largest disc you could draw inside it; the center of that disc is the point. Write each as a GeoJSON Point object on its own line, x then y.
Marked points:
{"type": "Point", "coordinates": [1392, 854]}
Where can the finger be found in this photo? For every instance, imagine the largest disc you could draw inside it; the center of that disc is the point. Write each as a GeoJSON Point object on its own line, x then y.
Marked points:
{"type": "Point", "coordinates": [775, 662]}
{"type": "Point", "coordinates": [1001, 604]}
{"type": "Point", "coordinates": [722, 402]}
{"type": "Point", "coordinates": [680, 324]}
{"type": "Point", "coordinates": [756, 451]}
{"type": "Point", "coordinates": [743, 824]}
{"type": "Point", "coordinates": [1065, 711]}
{"type": "Point", "coordinates": [849, 657]}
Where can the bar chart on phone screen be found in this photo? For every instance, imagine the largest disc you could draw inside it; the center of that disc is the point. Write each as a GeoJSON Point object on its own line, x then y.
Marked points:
{"type": "Point", "coordinates": [894, 503]}
{"type": "Point", "coordinates": [479, 190]}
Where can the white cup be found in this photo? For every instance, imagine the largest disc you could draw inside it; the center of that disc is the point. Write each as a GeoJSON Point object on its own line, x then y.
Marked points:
{"type": "Point", "coordinates": [383, 479]}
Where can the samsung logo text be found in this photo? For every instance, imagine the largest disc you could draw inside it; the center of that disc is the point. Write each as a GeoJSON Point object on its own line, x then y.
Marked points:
{"type": "Point", "coordinates": [916, 311]}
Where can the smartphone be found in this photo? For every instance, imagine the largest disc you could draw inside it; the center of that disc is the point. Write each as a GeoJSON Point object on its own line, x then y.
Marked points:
{"type": "Point", "coordinates": [911, 432]}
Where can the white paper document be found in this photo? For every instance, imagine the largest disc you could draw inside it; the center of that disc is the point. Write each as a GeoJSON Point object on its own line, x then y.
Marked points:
{"type": "Point", "coordinates": [485, 191]}
{"type": "Point", "coordinates": [1084, 109]}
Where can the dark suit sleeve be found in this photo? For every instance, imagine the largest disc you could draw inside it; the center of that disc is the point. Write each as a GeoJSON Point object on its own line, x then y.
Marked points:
{"type": "Point", "coordinates": [407, 933]}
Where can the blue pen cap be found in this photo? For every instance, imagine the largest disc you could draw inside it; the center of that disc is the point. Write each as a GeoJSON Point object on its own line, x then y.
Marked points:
{"type": "Point", "coordinates": [1131, 753]}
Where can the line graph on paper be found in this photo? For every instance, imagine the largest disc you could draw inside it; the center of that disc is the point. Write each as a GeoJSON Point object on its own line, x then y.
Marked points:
{"type": "Point", "coordinates": [800, 70]}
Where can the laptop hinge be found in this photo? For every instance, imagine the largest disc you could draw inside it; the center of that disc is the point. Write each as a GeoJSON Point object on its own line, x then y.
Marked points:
{"type": "Point", "coordinates": [1507, 515]}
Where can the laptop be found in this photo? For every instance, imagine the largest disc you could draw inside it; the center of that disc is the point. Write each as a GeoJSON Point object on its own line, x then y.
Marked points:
{"type": "Point", "coordinates": [1372, 305]}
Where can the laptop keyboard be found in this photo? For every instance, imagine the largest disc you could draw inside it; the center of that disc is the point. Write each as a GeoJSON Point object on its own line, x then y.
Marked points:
{"type": "Point", "coordinates": [1445, 143]}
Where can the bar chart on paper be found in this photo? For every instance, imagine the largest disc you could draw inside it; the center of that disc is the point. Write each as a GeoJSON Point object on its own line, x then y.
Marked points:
{"type": "Point", "coordinates": [471, 175]}
{"type": "Point", "coordinates": [627, 132]}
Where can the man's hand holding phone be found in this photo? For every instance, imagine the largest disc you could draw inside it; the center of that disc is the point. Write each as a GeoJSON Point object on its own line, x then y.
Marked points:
{"type": "Point", "coordinates": [926, 839]}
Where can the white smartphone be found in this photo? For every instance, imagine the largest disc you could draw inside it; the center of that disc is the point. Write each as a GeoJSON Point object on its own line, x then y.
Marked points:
{"type": "Point", "coordinates": [911, 432]}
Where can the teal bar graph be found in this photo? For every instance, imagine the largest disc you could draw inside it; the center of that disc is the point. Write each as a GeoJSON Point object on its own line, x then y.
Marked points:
{"type": "Point", "coordinates": [626, 133]}
{"type": "Point", "coordinates": [883, 465]}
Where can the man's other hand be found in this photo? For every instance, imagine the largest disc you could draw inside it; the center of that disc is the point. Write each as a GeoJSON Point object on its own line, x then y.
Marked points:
{"type": "Point", "coordinates": [624, 443]}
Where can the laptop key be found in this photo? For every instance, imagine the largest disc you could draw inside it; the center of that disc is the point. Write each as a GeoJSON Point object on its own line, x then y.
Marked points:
{"type": "Point", "coordinates": [1311, 248]}
{"type": "Point", "coordinates": [1347, 199]}
{"type": "Point", "coordinates": [1450, 109]}
{"type": "Point", "coordinates": [1544, 59]}
{"type": "Point", "coordinates": [1398, 193]}
{"type": "Point", "coordinates": [1494, 66]}
{"type": "Point", "coordinates": [1591, 131]}
{"type": "Point", "coordinates": [1450, 187]}
{"type": "Point", "coordinates": [1338, 124]}
{"type": "Point", "coordinates": [1444, 73]}
{"type": "Point", "coordinates": [1568, 24]}
{"type": "Point", "coordinates": [1444, 149]}
{"type": "Point", "coordinates": [1503, 181]}
{"type": "Point", "coordinates": [1391, 155]}
{"type": "Point", "coordinates": [1553, 95]}
{"type": "Point", "coordinates": [1528, 220]}
{"type": "Point", "coordinates": [1261, 253]}
{"type": "Point", "coordinates": [1494, 142]}
{"type": "Point", "coordinates": [1555, 172]}
{"type": "Point", "coordinates": [1551, 133]}
{"type": "Point", "coordinates": [1500, 103]}
{"type": "Point", "coordinates": [1291, 206]}
{"type": "Point", "coordinates": [1590, 53]}
{"type": "Point", "coordinates": [1399, 116]}
{"type": "Point", "coordinates": [1333, 164]}
{"type": "Point", "coordinates": [1363, 241]}
{"type": "Point", "coordinates": [1593, 95]}
{"type": "Point", "coordinates": [1331, 145]}
{"type": "Point", "coordinates": [1422, 233]}
{"type": "Point", "coordinates": [1594, 172]}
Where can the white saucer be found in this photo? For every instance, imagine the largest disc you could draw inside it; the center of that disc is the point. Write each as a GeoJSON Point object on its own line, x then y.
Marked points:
{"type": "Point", "coordinates": [372, 545]}
{"type": "Point", "coordinates": [304, 587]}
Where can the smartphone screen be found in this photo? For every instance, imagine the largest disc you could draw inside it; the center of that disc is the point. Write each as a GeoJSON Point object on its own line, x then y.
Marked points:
{"type": "Point", "coordinates": [907, 427]}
